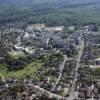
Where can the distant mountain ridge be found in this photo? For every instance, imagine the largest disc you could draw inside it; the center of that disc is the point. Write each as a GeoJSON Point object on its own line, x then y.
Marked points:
{"type": "Point", "coordinates": [37, 2]}
{"type": "Point", "coordinates": [50, 11]}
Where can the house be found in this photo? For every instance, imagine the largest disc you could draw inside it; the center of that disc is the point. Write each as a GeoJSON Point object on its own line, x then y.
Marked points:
{"type": "Point", "coordinates": [19, 48]}
{"type": "Point", "coordinates": [97, 61]}
{"type": "Point", "coordinates": [91, 27]}
{"type": "Point", "coordinates": [55, 29]}
{"type": "Point", "coordinates": [89, 92]}
{"type": "Point", "coordinates": [35, 27]}
{"type": "Point", "coordinates": [71, 28]}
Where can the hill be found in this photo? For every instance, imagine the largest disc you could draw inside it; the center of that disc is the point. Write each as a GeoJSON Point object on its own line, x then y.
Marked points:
{"type": "Point", "coordinates": [50, 11]}
{"type": "Point", "coordinates": [38, 2]}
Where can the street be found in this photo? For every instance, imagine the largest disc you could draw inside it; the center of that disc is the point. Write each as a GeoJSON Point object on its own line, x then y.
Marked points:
{"type": "Point", "coordinates": [72, 96]}
{"type": "Point", "coordinates": [60, 73]}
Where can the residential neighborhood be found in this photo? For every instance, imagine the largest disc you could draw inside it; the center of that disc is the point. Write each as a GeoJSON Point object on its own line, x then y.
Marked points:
{"type": "Point", "coordinates": [55, 64]}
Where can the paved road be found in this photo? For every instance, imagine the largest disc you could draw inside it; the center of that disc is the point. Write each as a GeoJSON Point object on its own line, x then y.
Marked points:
{"type": "Point", "coordinates": [95, 44]}
{"type": "Point", "coordinates": [72, 96]}
{"type": "Point", "coordinates": [48, 92]}
{"type": "Point", "coordinates": [42, 90]}
{"type": "Point", "coordinates": [60, 73]}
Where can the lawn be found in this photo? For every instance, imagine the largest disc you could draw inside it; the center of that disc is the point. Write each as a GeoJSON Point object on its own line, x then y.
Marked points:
{"type": "Point", "coordinates": [29, 70]}
{"type": "Point", "coordinates": [17, 54]}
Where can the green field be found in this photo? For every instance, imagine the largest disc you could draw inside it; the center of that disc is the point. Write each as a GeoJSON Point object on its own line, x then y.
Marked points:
{"type": "Point", "coordinates": [29, 70]}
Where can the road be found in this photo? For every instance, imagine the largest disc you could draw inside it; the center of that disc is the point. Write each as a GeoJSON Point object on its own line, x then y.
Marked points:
{"type": "Point", "coordinates": [60, 73]}
{"type": "Point", "coordinates": [72, 96]}
{"type": "Point", "coordinates": [48, 92]}
{"type": "Point", "coordinates": [42, 90]}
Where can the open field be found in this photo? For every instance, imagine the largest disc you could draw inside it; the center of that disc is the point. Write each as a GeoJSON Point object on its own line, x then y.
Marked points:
{"type": "Point", "coordinates": [29, 70]}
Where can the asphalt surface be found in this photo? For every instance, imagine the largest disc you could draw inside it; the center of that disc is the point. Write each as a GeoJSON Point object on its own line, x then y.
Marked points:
{"type": "Point", "coordinates": [72, 95]}
{"type": "Point", "coordinates": [60, 73]}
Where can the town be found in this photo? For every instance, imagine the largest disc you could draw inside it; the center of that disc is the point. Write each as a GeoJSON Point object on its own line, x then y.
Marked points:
{"type": "Point", "coordinates": [50, 63]}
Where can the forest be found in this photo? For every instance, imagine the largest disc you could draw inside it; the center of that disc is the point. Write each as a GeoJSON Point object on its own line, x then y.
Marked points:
{"type": "Point", "coordinates": [53, 12]}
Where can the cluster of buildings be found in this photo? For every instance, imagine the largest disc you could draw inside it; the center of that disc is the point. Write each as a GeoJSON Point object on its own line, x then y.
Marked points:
{"type": "Point", "coordinates": [39, 38]}
{"type": "Point", "coordinates": [53, 82]}
{"type": "Point", "coordinates": [89, 91]}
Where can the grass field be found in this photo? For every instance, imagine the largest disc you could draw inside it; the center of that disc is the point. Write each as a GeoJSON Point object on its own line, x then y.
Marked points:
{"type": "Point", "coordinates": [29, 70]}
